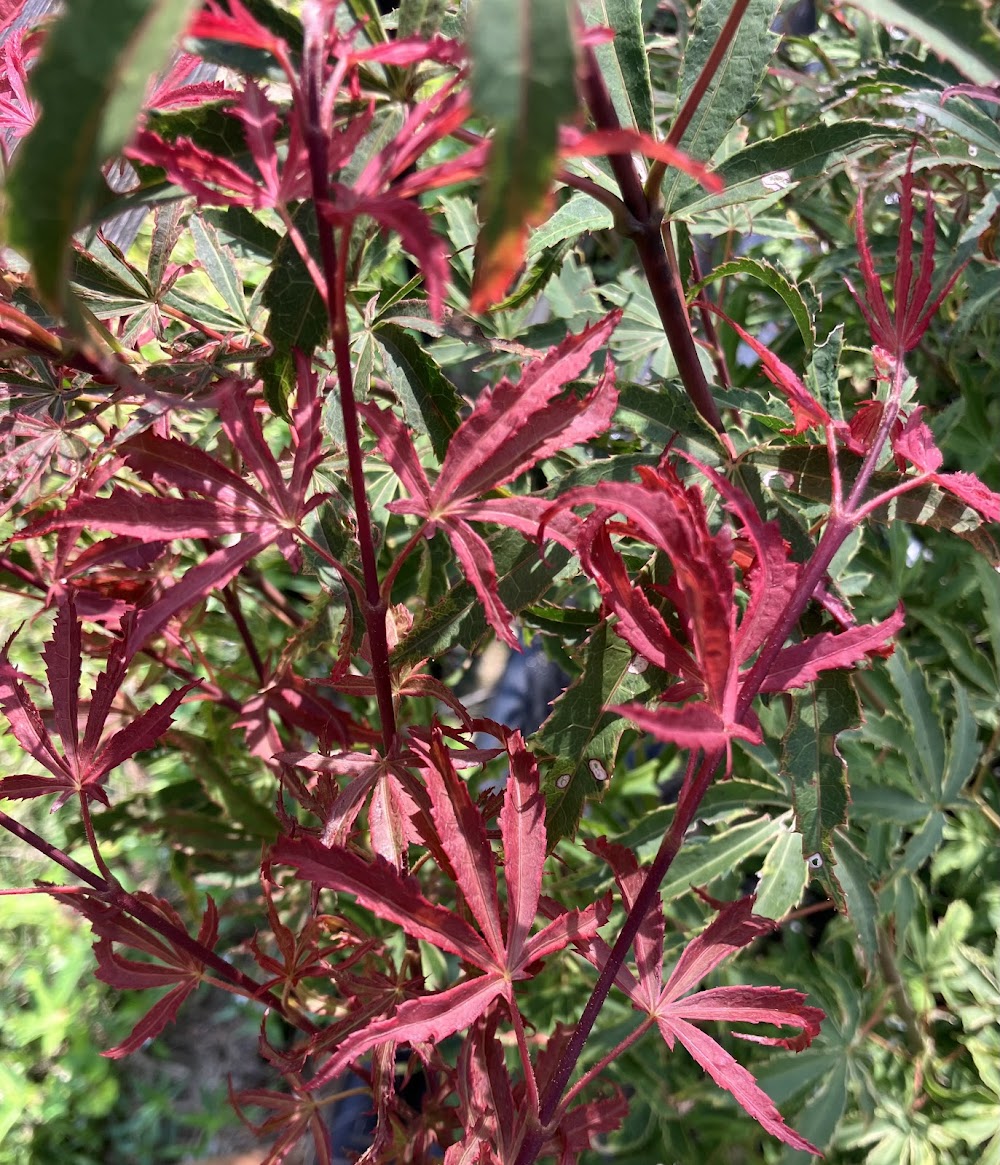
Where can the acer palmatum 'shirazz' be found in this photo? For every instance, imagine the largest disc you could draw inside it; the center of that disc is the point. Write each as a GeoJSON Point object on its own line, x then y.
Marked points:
{"type": "Point", "coordinates": [175, 457]}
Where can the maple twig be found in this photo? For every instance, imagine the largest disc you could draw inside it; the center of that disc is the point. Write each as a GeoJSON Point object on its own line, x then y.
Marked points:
{"type": "Point", "coordinates": [696, 785]}
{"type": "Point", "coordinates": [621, 1047]}
{"type": "Point", "coordinates": [112, 892]}
{"type": "Point", "coordinates": [652, 256]}
{"type": "Point", "coordinates": [334, 264]}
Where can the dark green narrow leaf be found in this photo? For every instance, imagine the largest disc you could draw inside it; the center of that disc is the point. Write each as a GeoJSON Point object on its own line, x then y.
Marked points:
{"type": "Point", "coordinates": [523, 84]}
{"type": "Point", "coordinates": [701, 861]}
{"type": "Point", "coordinates": [624, 62]}
{"type": "Point", "coordinates": [855, 880]}
{"type": "Point", "coordinates": [816, 769]}
{"type": "Point", "coordinates": [217, 263]}
{"type": "Point", "coordinates": [777, 281]}
{"type": "Point", "coordinates": [430, 403]}
{"type": "Point", "coordinates": [767, 169]}
{"type": "Point", "coordinates": [90, 82]}
{"type": "Point", "coordinates": [577, 746]}
{"type": "Point", "coordinates": [823, 373]}
{"type": "Point", "coordinates": [924, 717]}
{"type": "Point", "coordinates": [734, 87]}
{"type": "Point", "coordinates": [298, 316]}
{"type": "Point", "coordinates": [957, 30]}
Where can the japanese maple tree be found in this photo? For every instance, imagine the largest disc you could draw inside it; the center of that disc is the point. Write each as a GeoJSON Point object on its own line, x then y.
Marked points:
{"type": "Point", "coordinates": [241, 475]}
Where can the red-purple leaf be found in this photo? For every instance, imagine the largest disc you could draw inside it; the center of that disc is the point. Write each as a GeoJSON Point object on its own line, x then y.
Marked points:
{"type": "Point", "coordinates": [806, 409]}
{"type": "Point", "coordinates": [690, 726]}
{"type": "Point", "coordinates": [522, 829]}
{"type": "Point", "coordinates": [380, 889]}
{"type": "Point", "coordinates": [514, 426]}
{"type": "Point", "coordinates": [801, 663]}
{"type": "Point", "coordinates": [729, 1074]}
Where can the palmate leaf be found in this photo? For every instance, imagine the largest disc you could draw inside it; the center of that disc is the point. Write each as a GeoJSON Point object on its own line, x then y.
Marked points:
{"type": "Point", "coordinates": [677, 1013]}
{"type": "Point", "coordinates": [512, 428]}
{"type": "Point", "coordinates": [502, 949]}
{"type": "Point", "coordinates": [79, 766]}
{"type": "Point", "coordinates": [733, 88]}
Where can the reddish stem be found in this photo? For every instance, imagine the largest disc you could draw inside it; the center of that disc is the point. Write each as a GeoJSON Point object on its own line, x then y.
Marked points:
{"type": "Point", "coordinates": [333, 264]}
{"type": "Point", "coordinates": [110, 891]}
{"type": "Point", "coordinates": [649, 244]}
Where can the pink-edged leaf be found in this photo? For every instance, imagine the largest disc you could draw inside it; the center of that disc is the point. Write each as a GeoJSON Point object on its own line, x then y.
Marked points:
{"type": "Point", "coordinates": [690, 726]}
{"type": "Point", "coordinates": [142, 733]}
{"type": "Point", "coordinates": [24, 718]}
{"type": "Point", "coordinates": [237, 26]}
{"type": "Point", "coordinates": [576, 144]}
{"type": "Point", "coordinates": [648, 943]}
{"type": "Point", "coordinates": [462, 831]}
{"type": "Point", "coordinates": [62, 655]}
{"type": "Point", "coordinates": [732, 929]}
{"type": "Point", "coordinates": [129, 974]}
{"type": "Point", "coordinates": [522, 828]}
{"type": "Point", "coordinates": [378, 887]}
{"type": "Point", "coordinates": [436, 1017]}
{"type": "Point", "coordinates": [916, 443]}
{"type": "Point", "coordinates": [396, 446]}
{"type": "Point", "coordinates": [170, 462]}
{"type": "Point", "coordinates": [427, 1020]}
{"type": "Point", "coordinates": [213, 181]}
{"type": "Point", "coordinates": [107, 686]}
{"type": "Point", "coordinates": [523, 513]}
{"type": "Point", "coordinates": [800, 664]}
{"type": "Point", "coordinates": [806, 409]}
{"type": "Point", "coordinates": [213, 572]}
{"type": "Point", "coordinates": [261, 122]}
{"type": "Point", "coordinates": [771, 577]}
{"type": "Point", "coordinates": [572, 926]}
{"type": "Point", "coordinates": [775, 1005]}
{"type": "Point", "coordinates": [672, 517]}
{"type": "Point", "coordinates": [162, 1012]}
{"type": "Point", "coordinates": [514, 426]}
{"type": "Point", "coordinates": [151, 518]}
{"type": "Point", "coordinates": [414, 228]}
{"type": "Point", "coordinates": [477, 565]}
{"type": "Point", "coordinates": [389, 819]}
{"type": "Point", "coordinates": [729, 1074]}
{"type": "Point", "coordinates": [582, 1124]}
{"type": "Point", "coordinates": [639, 623]}
{"type": "Point", "coordinates": [874, 306]}
{"type": "Point", "coordinates": [241, 426]}
{"type": "Point", "coordinates": [23, 786]}
{"type": "Point", "coordinates": [973, 492]}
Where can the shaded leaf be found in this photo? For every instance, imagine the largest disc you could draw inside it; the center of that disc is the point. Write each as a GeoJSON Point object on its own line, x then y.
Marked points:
{"type": "Point", "coordinates": [91, 89]}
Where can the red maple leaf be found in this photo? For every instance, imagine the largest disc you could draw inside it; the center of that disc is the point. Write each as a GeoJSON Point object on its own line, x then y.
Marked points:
{"type": "Point", "coordinates": [915, 443]}
{"type": "Point", "coordinates": [705, 646]}
{"type": "Point", "coordinates": [171, 967]}
{"type": "Point", "coordinates": [76, 765]}
{"type": "Point", "coordinates": [899, 331]}
{"type": "Point", "coordinates": [503, 950]}
{"type": "Point", "coordinates": [228, 505]}
{"type": "Point", "coordinates": [511, 428]}
{"type": "Point", "coordinates": [677, 1013]}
